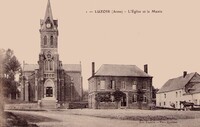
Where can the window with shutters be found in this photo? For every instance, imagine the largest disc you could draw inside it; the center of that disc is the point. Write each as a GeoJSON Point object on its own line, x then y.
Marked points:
{"type": "Point", "coordinates": [123, 86]}
{"type": "Point", "coordinates": [134, 98]}
{"type": "Point", "coordinates": [144, 85]}
{"type": "Point", "coordinates": [102, 84]}
{"type": "Point", "coordinates": [112, 84]}
{"type": "Point", "coordinates": [134, 85]}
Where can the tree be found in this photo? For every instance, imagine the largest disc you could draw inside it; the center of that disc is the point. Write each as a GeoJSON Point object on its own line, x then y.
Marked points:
{"type": "Point", "coordinates": [10, 67]}
{"type": "Point", "coordinates": [85, 95]}
{"type": "Point", "coordinates": [1, 91]}
{"type": "Point", "coordinates": [2, 52]}
{"type": "Point", "coordinates": [140, 97]}
{"type": "Point", "coordinates": [118, 95]}
{"type": "Point", "coordinates": [98, 100]}
{"type": "Point", "coordinates": [102, 97]}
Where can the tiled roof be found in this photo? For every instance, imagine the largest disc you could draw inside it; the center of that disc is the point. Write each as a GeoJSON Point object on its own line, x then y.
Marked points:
{"type": "Point", "coordinates": [72, 67]}
{"type": "Point", "coordinates": [120, 70]}
{"type": "Point", "coordinates": [30, 67]}
{"type": "Point", "coordinates": [176, 83]}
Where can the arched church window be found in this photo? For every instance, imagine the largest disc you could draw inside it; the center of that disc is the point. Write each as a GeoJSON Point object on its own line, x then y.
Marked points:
{"type": "Point", "coordinates": [46, 65]}
{"type": "Point", "coordinates": [51, 65]}
{"type": "Point", "coordinates": [51, 40]}
{"type": "Point", "coordinates": [45, 40]}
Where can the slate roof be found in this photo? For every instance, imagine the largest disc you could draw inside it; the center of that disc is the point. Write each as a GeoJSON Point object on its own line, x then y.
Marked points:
{"type": "Point", "coordinates": [176, 83]}
{"type": "Point", "coordinates": [72, 67]}
{"type": "Point", "coordinates": [30, 67]}
{"type": "Point", "coordinates": [195, 88]}
{"type": "Point", "coordinates": [120, 70]}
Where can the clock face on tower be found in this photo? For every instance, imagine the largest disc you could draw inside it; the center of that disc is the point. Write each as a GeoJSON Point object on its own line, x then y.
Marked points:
{"type": "Point", "coordinates": [48, 25]}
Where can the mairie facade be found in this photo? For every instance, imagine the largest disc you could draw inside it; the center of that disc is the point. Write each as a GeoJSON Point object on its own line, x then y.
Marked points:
{"type": "Point", "coordinates": [51, 83]}
{"type": "Point", "coordinates": [135, 83]}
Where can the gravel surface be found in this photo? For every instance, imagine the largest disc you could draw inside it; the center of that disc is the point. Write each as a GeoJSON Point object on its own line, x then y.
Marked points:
{"type": "Point", "coordinates": [114, 118]}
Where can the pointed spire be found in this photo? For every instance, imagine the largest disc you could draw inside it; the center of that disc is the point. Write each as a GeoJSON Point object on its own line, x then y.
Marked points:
{"type": "Point", "coordinates": [48, 12]}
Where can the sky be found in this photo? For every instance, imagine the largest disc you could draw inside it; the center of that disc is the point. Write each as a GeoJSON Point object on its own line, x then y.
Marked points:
{"type": "Point", "coordinates": [168, 42]}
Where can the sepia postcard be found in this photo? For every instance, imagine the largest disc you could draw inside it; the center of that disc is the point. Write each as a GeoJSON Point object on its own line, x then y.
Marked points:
{"type": "Point", "coordinates": [94, 63]}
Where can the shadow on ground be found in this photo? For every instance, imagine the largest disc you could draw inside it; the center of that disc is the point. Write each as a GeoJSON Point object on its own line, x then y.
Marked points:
{"type": "Point", "coordinates": [24, 120]}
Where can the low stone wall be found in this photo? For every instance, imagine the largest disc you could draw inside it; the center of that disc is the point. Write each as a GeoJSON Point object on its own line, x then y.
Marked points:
{"type": "Point", "coordinates": [107, 105]}
{"type": "Point", "coordinates": [27, 106]}
{"type": "Point", "coordinates": [77, 105]}
{"type": "Point", "coordinates": [113, 105]}
{"type": "Point", "coordinates": [133, 106]}
{"type": "Point", "coordinates": [36, 106]}
{"type": "Point", "coordinates": [138, 106]}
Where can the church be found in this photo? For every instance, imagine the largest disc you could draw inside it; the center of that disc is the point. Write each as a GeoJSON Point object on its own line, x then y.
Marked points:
{"type": "Point", "coordinates": [50, 83]}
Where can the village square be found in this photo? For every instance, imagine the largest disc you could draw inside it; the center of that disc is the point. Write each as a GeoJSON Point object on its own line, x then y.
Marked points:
{"type": "Point", "coordinates": [52, 94]}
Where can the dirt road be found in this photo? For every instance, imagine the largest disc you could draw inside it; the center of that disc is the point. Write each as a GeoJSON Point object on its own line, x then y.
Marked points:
{"type": "Point", "coordinates": [66, 119]}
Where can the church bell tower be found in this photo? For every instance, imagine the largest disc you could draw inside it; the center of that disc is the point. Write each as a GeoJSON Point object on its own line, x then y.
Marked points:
{"type": "Point", "coordinates": [48, 57]}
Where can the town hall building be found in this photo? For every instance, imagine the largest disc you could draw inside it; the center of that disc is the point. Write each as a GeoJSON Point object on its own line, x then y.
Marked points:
{"type": "Point", "coordinates": [51, 83]}
{"type": "Point", "coordinates": [136, 85]}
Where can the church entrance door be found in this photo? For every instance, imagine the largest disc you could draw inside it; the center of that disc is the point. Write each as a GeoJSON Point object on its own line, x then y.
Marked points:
{"type": "Point", "coordinates": [49, 89]}
{"type": "Point", "coordinates": [49, 92]}
{"type": "Point", "coordinates": [49, 100]}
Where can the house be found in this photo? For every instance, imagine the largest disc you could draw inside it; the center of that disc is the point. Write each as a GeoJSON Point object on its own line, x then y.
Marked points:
{"type": "Point", "coordinates": [154, 92]}
{"type": "Point", "coordinates": [50, 83]}
{"type": "Point", "coordinates": [135, 83]}
{"type": "Point", "coordinates": [183, 88]}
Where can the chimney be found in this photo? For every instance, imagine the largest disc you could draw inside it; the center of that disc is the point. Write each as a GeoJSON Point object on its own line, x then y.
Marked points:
{"type": "Point", "coordinates": [93, 68]}
{"type": "Point", "coordinates": [184, 74]}
{"type": "Point", "coordinates": [146, 68]}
